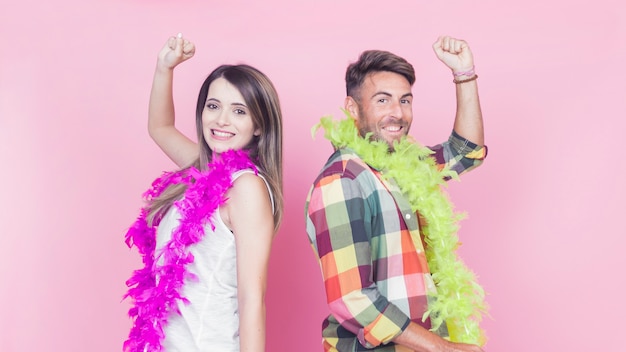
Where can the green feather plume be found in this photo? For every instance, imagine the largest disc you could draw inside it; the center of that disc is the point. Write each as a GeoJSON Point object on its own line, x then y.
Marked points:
{"type": "Point", "coordinates": [459, 301]}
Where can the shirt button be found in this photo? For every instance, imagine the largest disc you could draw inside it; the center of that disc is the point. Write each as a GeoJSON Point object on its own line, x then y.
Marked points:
{"type": "Point", "coordinates": [407, 216]}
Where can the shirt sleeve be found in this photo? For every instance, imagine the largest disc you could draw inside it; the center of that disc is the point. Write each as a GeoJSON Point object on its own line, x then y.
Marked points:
{"type": "Point", "coordinates": [459, 154]}
{"type": "Point", "coordinates": [339, 216]}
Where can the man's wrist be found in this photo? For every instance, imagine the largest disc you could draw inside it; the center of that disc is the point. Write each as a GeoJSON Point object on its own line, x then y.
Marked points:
{"type": "Point", "coordinates": [464, 79]}
{"type": "Point", "coordinates": [464, 73]}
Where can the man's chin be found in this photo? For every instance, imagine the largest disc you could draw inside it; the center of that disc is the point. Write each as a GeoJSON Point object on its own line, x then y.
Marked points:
{"type": "Point", "coordinates": [389, 141]}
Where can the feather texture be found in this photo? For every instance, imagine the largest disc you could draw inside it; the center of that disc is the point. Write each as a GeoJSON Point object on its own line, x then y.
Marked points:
{"type": "Point", "coordinates": [459, 301]}
{"type": "Point", "coordinates": [156, 289]}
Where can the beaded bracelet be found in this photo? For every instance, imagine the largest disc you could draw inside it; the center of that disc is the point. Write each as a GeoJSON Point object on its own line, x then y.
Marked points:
{"type": "Point", "coordinates": [465, 80]}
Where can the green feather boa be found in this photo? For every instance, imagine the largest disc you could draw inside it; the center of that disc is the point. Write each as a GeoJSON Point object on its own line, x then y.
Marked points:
{"type": "Point", "coordinates": [459, 299]}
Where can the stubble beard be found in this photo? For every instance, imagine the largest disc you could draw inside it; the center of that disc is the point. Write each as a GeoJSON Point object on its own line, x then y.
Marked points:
{"type": "Point", "coordinates": [365, 128]}
{"type": "Point", "coordinates": [375, 137]}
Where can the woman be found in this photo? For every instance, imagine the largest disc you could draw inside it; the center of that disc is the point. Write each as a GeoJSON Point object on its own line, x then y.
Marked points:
{"type": "Point", "coordinates": [203, 285]}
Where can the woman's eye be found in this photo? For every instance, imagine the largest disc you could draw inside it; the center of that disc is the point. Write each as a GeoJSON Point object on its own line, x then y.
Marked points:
{"type": "Point", "coordinates": [211, 106]}
{"type": "Point", "coordinates": [240, 112]}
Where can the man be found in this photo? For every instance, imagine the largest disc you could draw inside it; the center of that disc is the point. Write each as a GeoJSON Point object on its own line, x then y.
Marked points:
{"type": "Point", "coordinates": [371, 251]}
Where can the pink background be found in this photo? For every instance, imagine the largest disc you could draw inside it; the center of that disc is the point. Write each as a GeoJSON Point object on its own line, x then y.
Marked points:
{"type": "Point", "coordinates": [545, 232]}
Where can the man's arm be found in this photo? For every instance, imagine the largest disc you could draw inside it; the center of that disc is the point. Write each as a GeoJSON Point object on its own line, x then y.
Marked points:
{"type": "Point", "coordinates": [457, 56]}
{"type": "Point", "coordinates": [338, 230]}
{"type": "Point", "coordinates": [419, 339]}
{"type": "Point", "coordinates": [458, 154]}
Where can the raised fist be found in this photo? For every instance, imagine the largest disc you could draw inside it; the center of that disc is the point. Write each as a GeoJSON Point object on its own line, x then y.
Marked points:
{"type": "Point", "coordinates": [454, 53]}
{"type": "Point", "coordinates": [176, 50]}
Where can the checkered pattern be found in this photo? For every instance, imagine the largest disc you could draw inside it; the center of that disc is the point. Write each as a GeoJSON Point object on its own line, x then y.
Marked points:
{"type": "Point", "coordinates": [370, 250]}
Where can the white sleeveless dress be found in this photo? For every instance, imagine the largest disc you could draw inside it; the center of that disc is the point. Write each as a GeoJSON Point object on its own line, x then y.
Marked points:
{"type": "Point", "coordinates": [210, 322]}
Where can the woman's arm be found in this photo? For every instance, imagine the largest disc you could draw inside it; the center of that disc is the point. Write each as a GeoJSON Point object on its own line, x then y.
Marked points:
{"type": "Point", "coordinates": [249, 215]}
{"type": "Point", "coordinates": [161, 115]}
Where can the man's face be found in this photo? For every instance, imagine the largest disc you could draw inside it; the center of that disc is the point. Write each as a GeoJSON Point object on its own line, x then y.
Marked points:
{"type": "Point", "coordinates": [384, 107]}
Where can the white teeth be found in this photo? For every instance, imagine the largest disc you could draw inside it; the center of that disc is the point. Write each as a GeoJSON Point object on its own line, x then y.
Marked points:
{"type": "Point", "coordinates": [393, 128]}
{"type": "Point", "coordinates": [222, 134]}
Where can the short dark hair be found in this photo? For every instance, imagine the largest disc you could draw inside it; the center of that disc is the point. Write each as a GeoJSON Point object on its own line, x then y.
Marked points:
{"type": "Point", "coordinates": [372, 61]}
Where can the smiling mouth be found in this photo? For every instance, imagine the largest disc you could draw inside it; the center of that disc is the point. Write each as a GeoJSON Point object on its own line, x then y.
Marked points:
{"type": "Point", "coordinates": [222, 134]}
{"type": "Point", "coordinates": [393, 129]}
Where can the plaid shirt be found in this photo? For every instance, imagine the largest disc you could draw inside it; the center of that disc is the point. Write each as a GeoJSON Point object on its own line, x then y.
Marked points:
{"type": "Point", "coordinates": [370, 249]}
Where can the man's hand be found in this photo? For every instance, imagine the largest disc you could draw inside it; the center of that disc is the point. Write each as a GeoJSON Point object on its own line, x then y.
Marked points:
{"type": "Point", "coordinates": [418, 339]}
{"type": "Point", "coordinates": [176, 50]}
{"type": "Point", "coordinates": [463, 347]}
{"type": "Point", "coordinates": [454, 53]}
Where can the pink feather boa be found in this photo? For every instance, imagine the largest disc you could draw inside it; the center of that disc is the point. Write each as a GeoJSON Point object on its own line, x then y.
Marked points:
{"type": "Point", "coordinates": [154, 300]}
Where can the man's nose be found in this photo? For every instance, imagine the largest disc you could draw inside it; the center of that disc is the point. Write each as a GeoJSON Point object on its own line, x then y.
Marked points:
{"type": "Point", "coordinates": [396, 110]}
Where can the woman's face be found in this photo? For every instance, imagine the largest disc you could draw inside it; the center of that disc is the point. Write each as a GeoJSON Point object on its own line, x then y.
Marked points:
{"type": "Point", "coordinates": [226, 120]}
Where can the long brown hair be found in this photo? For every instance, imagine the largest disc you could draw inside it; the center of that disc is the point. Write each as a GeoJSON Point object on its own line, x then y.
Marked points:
{"type": "Point", "coordinates": [261, 98]}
